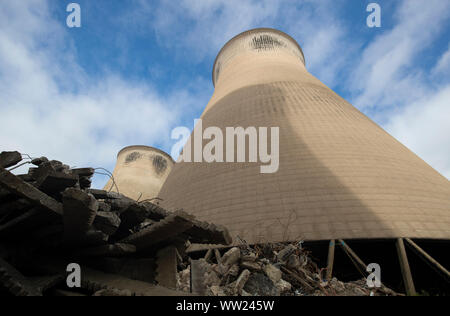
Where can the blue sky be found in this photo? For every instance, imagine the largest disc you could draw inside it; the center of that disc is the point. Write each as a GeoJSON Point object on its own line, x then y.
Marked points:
{"type": "Point", "coordinates": [136, 69]}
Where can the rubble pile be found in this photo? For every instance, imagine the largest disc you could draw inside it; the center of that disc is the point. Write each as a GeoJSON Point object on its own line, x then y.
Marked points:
{"type": "Point", "coordinates": [50, 218]}
{"type": "Point", "coordinates": [267, 270]}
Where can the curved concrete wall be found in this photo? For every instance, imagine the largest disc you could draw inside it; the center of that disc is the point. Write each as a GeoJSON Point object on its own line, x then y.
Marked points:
{"type": "Point", "coordinates": [140, 172]}
{"type": "Point", "coordinates": [340, 175]}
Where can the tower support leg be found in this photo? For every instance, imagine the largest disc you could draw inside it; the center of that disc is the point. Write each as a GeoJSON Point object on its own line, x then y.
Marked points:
{"type": "Point", "coordinates": [404, 265]}
{"type": "Point", "coordinates": [428, 259]}
{"type": "Point", "coordinates": [330, 262]}
{"type": "Point", "coordinates": [359, 264]}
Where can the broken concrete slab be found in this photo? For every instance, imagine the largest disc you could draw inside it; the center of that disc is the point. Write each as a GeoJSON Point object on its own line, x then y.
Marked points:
{"type": "Point", "coordinates": [218, 256]}
{"type": "Point", "coordinates": [121, 204]}
{"type": "Point", "coordinates": [252, 266]}
{"type": "Point", "coordinates": [25, 177]}
{"type": "Point", "coordinates": [58, 166]}
{"type": "Point", "coordinates": [103, 194]}
{"type": "Point", "coordinates": [166, 271]}
{"type": "Point", "coordinates": [259, 284]}
{"type": "Point", "coordinates": [293, 262]}
{"type": "Point", "coordinates": [202, 232]}
{"type": "Point", "coordinates": [80, 209]}
{"type": "Point", "coordinates": [107, 222]}
{"type": "Point", "coordinates": [273, 273]}
{"type": "Point", "coordinates": [13, 281]}
{"type": "Point", "coordinates": [286, 252]}
{"type": "Point", "coordinates": [83, 172]}
{"type": "Point", "coordinates": [250, 257]}
{"type": "Point", "coordinates": [104, 207]}
{"type": "Point", "coordinates": [233, 270]}
{"type": "Point", "coordinates": [197, 274]}
{"type": "Point", "coordinates": [132, 216]}
{"type": "Point", "coordinates": [154, 212]}
{"type": "Point", "coordinates": [241, 281]}
{"type": "Point", "coordinates": [10, 158]}
{"type": "Point", "coordinates": [17, 186]}
{"type": "Point", "coordinates": [54, 182]}
{"type": "Point", "coordinates": [208, 255]}
{"type": "Point", "coordinates": [231, 257]}
{"type": "Point", "coordinates": [95, 281]}
{"type": "Point", "coordinates": [39, 174]}
{"type": "Point", "coordinates": [39, 161]}
{"type": "Point", "coordinates": [85, 182]}
{"type": "Point", "coordinates": [283, 286]}
{"type": "Point", "coordinates": [173, 225]}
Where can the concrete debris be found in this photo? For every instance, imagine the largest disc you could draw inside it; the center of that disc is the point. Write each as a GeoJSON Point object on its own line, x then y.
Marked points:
{"type": "Point", "coordinates": [124, 247]}
{"type": "Point", "coordinates": [231, 257]}
{"type": "Point", "coordinates": [283, 269]}
{"type": "Point", "coordinates": [241, 281]}
{"type": "Point", "coordinates": [9, 158]}
{"type": "Point", "coordinates": [259, 284]}
{"type": "Point", "coordinates": [198, 271]}
{"type": "Point", "coordinates": [14, 282]}
{"type": "Point", "coordinates": [252, 266]}
{"type": "Point", "coordinates": [80, 210]}
{"type": "Point", "coordinates": [184, 280]}
{"type": "Point", "coordinates": [283, 286]}
{"type": "Point", "coordinates": [16, 186]}
{"type": "Point", "coordinates": [286, 253]}
{"type": "Point", "coordinates": [215, 290]}
{"type": "Point", "coordinates": [107, 222]}
{"type": "Point", "coordinates": [167, 263]}
{"type": "Point", "coordinates": [39, 161]}
{"type": "Point", "coordinates": [273, 273]}
{"type": "Point", "coordinates": [50, 217]}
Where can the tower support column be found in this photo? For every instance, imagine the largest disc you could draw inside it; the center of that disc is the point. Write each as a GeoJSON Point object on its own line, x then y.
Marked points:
{"type": "Point", "coordinates": [404, 265]}
{"type": "Point", "coordinates": [330, 263]}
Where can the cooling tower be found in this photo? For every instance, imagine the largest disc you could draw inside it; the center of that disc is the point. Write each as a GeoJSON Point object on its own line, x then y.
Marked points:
{"type": "Point", "coordinates": [340, 175]}
{"type": "Point", "coordinates": [140, 172]}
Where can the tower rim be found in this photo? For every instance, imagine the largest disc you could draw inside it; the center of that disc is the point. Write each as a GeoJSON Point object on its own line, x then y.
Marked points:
{"type": "Point", "coordinates": [255, 30]}
{"type": "Point", "coordinates": [145, 147]}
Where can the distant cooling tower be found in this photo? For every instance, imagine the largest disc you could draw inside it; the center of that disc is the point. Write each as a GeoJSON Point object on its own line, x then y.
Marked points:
{"type": "Point", "coordinates": [140, 172]}
{"type": "Point", "coordinates": [340, 175]}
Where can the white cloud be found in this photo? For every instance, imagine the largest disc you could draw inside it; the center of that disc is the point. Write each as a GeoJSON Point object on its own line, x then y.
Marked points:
{"type": "Point", "coordinates": [323, 36]}
{"type": "Point", "coordinates": [203, 26]}
{"type": "Point", "coordinates": [388, 73]}
{"type": "Point", "coordinates": [50, 107]}
{"type": "Point", "coordinates": [443, 65]}
{"type": "Point", "coordinates": [389, 82]}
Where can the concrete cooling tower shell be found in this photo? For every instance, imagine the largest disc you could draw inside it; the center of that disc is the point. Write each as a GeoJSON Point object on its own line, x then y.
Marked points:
{"type": "Point", "coordinates": [140, 172]}
{"type": "Point", "coordinates": [340, 174]}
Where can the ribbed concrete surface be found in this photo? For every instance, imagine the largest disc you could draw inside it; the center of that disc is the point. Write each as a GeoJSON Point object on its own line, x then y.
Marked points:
{"type": "Point", "coordinates": [140, 172]}
{"type": "Point", "coordinates": [340, 175]}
